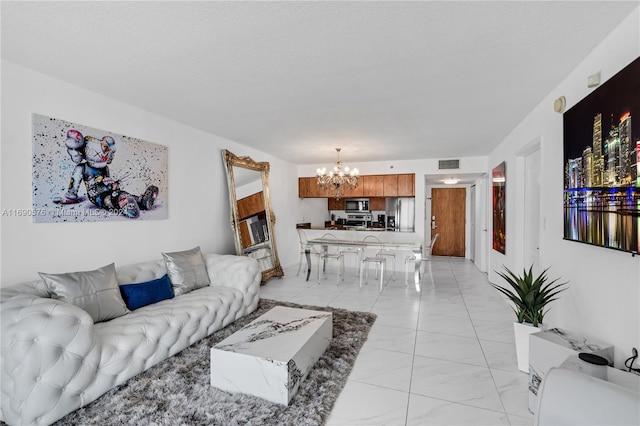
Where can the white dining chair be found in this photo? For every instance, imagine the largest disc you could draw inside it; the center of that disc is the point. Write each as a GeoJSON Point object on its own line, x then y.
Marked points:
{"type": "Point", "coordinates": [389, 254]}
{"type": "Point", "coordinates": [353, 250]}
{"type": "Point", "coordinates": [426, 256]}
{"type": "Point", "coordinates": [370, 255]}
{"type": "Point", "coordinates": [314, 251]}
{"type": "Point", "coordinates": [331, 252]}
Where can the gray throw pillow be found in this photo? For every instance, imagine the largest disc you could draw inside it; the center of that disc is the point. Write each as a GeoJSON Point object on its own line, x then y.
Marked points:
{"type": "Point", "coordinates": [187, 270]}
{"type": "Point", "coordinates": [96, 291]}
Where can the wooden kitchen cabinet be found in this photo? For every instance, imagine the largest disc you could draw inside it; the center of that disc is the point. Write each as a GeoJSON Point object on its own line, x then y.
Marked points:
{"type": "Point", "coordinates": [334, 204]}
{"type": "Point", "coordinates": [303, 187]}
{"type": "Point", "coordinates": [398, 185]}
{"type": "Point", "coordinates": [406, 185]}
{"type": "Point", "coordinates": [308, 188]}
{"type": "Point", "coordinates": [377, 203]}
{"type": "Point", "coordinates": [390, 185]}
{"type": "Point", "coordinates": [355, 192]}
{"type": "Point", "coordinates": [251, 205]}
{"type": "Point", "coordinates": [373, 186]}
{"type": "Point", "coordinates": [245, 237]}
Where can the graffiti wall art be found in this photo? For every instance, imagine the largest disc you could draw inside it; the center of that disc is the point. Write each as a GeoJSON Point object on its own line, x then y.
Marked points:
{"type": "Point", "coordinates": [499, 181]}
{"type": "Point", "coordinates": [82, 174]}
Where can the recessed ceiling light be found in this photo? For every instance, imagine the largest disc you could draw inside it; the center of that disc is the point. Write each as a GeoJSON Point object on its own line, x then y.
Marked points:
{"type": "Point", "coordinates": [450, 181]}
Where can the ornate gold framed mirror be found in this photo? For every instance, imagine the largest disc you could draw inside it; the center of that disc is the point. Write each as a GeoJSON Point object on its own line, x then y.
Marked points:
{"type": "Point", "coordinates": [252, 219]}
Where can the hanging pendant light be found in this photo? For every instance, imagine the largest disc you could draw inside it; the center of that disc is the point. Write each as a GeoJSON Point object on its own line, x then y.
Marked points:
{"type": "Point", "coordinates": [337, 178]}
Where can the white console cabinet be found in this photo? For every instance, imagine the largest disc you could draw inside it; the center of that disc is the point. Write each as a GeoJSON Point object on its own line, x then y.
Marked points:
{"type": "Point", "coordinates": [550, 348]}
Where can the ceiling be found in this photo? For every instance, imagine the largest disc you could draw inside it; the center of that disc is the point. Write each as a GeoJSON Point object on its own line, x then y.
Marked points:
{"type": "Point", "coordinates": [382, 80]}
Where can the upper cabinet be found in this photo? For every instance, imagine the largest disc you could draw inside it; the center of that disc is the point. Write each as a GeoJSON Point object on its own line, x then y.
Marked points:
{"type": "Point", "coordinates": [251, 205]}
{"type": "Point", "coordinates": [372, 185]}
{"type": "Point", "coordinates": [355, 192]}
{"type": "Point", "coordinates": [390, 185]}
{"type": "Point", "coordinates": [406, 185]}
{"type": "Point", "coordinates": [308, 188]}
{"type": "Point", "coordinates": [402, 185]}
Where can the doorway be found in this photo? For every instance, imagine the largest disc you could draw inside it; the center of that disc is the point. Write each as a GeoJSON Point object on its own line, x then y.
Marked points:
{"type": "Point", "coordinates": [448, 209]}
{"type": "Point", "coordinates": [472, 224]}
{"type": "Point", "coordinates": [532, 210]}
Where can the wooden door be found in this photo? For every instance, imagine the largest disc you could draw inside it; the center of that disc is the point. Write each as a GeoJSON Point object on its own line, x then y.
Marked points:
{"type": "Point", "coordinates": [448, 208]}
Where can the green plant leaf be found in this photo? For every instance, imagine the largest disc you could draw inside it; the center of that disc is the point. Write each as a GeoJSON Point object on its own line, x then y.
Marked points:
{"type": "Point", "coordinates": [529, 295]}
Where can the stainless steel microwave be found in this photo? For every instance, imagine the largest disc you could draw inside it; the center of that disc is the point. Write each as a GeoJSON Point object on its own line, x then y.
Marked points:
{"type": "Point", "coordinates": [356, 205]}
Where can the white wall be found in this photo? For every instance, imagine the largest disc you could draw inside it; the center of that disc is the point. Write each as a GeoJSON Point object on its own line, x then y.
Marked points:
{"type": "Point", "coordinates": [198, 199]}
{"type": "Point", "coordinates": [604, 285]}
{"type": "Point", "coordinates": [249, 189]}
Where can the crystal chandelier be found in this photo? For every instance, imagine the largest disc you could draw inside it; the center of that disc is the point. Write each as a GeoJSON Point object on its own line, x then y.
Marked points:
{"type": "Point", "coordinates": [337, 178]}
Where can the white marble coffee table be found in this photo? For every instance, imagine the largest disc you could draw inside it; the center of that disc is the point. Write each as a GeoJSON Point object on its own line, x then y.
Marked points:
{"type": "Point", "coordinates": [273, 354]}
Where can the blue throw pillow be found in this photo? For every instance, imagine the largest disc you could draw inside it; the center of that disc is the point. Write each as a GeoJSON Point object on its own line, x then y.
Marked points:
{"type": "Point", "coordinates": [143, 294]}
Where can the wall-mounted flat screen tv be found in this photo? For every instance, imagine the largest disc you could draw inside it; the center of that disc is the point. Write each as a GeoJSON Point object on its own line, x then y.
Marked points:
{"type": "Point", "coordinates": [602, 164]}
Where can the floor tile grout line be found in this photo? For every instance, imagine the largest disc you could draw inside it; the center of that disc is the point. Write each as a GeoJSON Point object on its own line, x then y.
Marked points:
{"type": "Point", "coordinates": [460, 274]}
{"type": "Point", "coordinates": [493, 379]}
{"type": "Point", "coordinates": [413, 358]}
{"type": "Point", "coordinates": [462, 403]}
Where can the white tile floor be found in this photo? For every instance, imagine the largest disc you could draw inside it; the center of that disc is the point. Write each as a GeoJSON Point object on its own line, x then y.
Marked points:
{"type": "Point", "coordinates": [441, 356]}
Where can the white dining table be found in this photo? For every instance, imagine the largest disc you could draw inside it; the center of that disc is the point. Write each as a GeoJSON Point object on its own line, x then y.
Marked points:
{"type": "Point", "coordinates": [413, 246]}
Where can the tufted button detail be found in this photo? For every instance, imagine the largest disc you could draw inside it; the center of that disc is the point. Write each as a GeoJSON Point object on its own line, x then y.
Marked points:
{"type": "Point", "coordinates": [99, 356]}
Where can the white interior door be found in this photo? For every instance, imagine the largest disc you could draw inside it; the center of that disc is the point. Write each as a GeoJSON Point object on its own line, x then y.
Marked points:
{"type": "Point", "coordinates": [532, 210]}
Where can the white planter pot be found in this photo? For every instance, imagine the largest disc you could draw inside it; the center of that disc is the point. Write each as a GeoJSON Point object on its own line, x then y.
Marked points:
{"type": "Point", "coordinates": [522, 332]}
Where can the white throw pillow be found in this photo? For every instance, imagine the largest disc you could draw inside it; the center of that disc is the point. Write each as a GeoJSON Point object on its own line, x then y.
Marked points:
{"type": "Point", "coordinates": [96, 292]}
{"type": "Point", "coordinates": [187, 270]}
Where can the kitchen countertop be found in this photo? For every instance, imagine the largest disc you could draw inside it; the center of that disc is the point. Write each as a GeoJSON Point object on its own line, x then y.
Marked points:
{"type": "Point", "coordinates": [346, 228]}
{"type": "Point", "coordinates": [360, 233]}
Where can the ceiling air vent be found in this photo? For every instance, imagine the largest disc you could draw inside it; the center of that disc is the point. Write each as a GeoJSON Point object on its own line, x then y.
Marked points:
{"type": "Point", "coordinates": [448, 164]}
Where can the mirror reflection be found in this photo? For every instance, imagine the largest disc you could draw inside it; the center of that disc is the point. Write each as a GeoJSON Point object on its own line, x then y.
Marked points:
{"type": "Point", "coordinates": [252, 219]}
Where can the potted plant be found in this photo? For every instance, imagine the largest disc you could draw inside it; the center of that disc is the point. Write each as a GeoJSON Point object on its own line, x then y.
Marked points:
{"type": "Point", "coordinates": [530, 296]}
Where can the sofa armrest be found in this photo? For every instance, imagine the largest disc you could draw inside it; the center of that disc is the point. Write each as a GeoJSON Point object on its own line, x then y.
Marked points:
{"type": "Point", "coordinates": [48, 355]}
{"type": "Point", "coordinates": [238, 272]}
{"type": "Point", "coordinates": [570, 397]}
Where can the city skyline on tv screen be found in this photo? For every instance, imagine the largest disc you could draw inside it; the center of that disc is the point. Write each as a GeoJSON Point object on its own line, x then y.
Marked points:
{"type": "Point", "coordinates": [602, 164]}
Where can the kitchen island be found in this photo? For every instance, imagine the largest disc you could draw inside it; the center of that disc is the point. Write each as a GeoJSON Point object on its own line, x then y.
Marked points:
{"type": "Point", "coordinates": [347, 228]}
{"type": "Point", "coordinates": [408, 243]}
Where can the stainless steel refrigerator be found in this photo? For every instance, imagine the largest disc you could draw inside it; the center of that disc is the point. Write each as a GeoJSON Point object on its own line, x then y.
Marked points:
{"type": "Point", "coordinates": [404, 211]}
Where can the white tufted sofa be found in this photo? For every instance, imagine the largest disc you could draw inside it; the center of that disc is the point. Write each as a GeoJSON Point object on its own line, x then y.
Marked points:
{"type": "Point", "coordinates": [54, 359]}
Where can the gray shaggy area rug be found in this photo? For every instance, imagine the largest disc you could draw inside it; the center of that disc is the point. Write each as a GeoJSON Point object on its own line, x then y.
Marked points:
{"type": "Point", "coordinates": [177, 390]}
